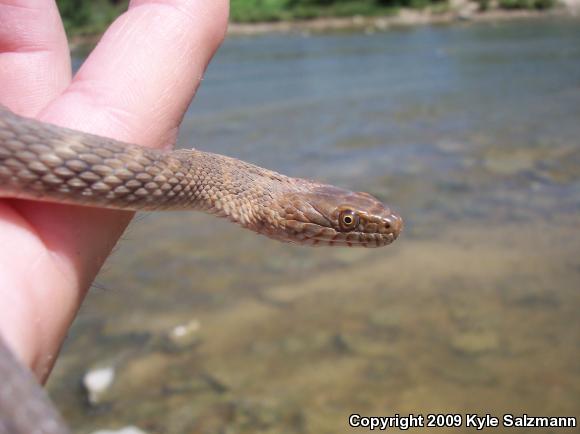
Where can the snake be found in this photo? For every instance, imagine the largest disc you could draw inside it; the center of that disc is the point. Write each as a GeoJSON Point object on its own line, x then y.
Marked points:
{"type": "Point", "coordinates": [45, 162]}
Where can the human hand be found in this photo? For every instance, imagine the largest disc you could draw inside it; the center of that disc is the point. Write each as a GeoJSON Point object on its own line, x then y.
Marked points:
{"type": "Point", "coordinates": [135, 87]}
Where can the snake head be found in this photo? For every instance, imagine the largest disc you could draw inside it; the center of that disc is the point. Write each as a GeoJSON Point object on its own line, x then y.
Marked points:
{"type": "Point", "coordinates": [326, 215]}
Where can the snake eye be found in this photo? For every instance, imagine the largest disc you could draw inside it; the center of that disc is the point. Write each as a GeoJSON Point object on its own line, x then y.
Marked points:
{"type": "Point", "coordinates": [348, 220]}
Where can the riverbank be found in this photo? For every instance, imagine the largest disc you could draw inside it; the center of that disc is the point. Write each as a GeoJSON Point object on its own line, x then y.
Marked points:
{"type": "Point", "coordinates": [404, 17]}
{"type": "Point", "coordinates": [456, 11]}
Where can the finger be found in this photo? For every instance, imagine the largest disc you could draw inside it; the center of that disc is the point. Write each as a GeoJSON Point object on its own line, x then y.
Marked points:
{"type": "Point", "coordinates": [34, 55]}
{"type": "Point", "coordinates": [134, 87]}
{"type": "Point", "coordinates": [34, 68]}
{"type": "Point", "coordinates": [137, 83]}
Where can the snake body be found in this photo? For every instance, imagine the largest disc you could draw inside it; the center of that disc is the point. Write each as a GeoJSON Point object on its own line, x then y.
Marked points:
{"type": "Point", "coordinates": [50, 163]}
{"type": "Point", "coordinates": [39, 161]}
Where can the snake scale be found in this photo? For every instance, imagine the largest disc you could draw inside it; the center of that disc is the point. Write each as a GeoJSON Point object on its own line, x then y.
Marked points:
{"type": "Point", "coordinates": [39, 161]}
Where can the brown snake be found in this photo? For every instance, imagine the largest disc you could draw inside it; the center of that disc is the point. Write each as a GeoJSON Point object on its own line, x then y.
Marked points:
{"type": "Point", "coordinates": [44, 162]}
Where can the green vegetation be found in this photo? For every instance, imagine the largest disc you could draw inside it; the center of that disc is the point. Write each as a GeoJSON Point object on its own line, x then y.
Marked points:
{"type": "Point", "coordinates": [89, 16]}
{"type": "Point", "coordinates": [93, 16]}
{"type": "Point", "coordinates": [278, 10]}
{"type": "Point", "coordinates": [483, 4]}
{"type": "Point", "coordinates": [527, 4]}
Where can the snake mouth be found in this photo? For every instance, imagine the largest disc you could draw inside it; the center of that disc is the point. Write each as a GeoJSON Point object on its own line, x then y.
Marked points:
{"type": "Point", "coordinates": [313, 235]}
{"type": "Point", "coordinates": [365, 240]}
{"type": "Point", "coordinates": [378, 241]}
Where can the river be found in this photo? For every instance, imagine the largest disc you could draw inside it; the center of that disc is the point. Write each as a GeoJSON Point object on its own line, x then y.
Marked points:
{"type": "Point", "coordinates": [471, 132]}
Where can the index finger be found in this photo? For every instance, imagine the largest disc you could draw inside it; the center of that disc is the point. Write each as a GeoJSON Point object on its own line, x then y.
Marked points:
{"type": "Point", "coordinates": [138, 81]}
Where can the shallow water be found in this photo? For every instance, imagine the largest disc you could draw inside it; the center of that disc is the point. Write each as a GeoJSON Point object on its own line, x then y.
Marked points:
{"type": "Point", "coordinates": [471, 132]}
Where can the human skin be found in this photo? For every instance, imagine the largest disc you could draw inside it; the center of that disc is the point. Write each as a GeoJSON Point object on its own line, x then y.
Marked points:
{"type": "Point", "coordinates": [135, 86]}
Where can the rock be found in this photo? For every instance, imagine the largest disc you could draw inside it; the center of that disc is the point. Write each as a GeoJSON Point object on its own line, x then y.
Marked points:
{"type": "Point", "coordinates": [466, 373]}
{"type": "Point", "coordinates": [572, 5]}
{"type": "Point", "coordinates": [475, 343]}
{"type": "Point", "coordinates": [381, 23]}
{"type": "Point", "coordinates": [509, 164]}
{"type": "Point", "coordinates": [97, 383]}
{"type": "Point", "coordinates": [341, 344]}
{"type": "Point", "coordinates": [451, 146]}
{"type": "Point", "coordinates": [467, 12]}
{"type": "Point", "coordinates": [125, 430]}
{"type": "Point", "coordinates": [386, 319]}
{"type": "Point", "coordinates": [465, 9]}
{"type": "Point", "coordinates": [184, 336]}
{"type": "Point", "coordinates": [358, 20]}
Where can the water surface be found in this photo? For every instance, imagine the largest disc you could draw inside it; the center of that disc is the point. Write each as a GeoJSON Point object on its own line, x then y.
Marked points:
{"type": "Point", "coordinates": [471, 132]}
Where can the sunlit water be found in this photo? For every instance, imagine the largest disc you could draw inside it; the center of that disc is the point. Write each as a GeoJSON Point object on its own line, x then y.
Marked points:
{"type": "Point", "coordinates": [471, 132]}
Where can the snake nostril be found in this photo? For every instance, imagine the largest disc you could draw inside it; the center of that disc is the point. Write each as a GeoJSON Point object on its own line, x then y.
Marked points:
{"type": "Point", "coordinates": [397, 224]}
{"type": "Point", "coordinates": [392, 225]}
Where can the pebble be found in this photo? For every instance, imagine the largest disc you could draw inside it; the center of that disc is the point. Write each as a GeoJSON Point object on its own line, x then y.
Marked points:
{"type": "Point", "coordinates": [184, 336]}
{"type": "Point", "coordinates": [97, 383]}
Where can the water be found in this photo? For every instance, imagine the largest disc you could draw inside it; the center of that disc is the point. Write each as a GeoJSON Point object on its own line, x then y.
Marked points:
{"type": "Point", "coordinates": [471, 133]}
